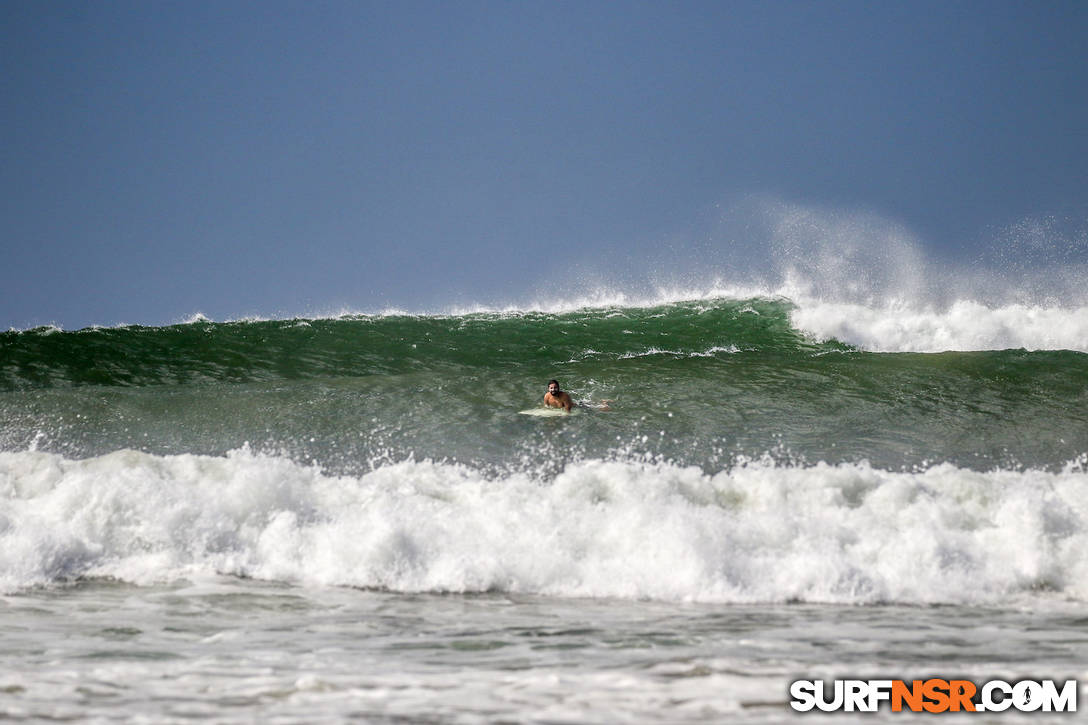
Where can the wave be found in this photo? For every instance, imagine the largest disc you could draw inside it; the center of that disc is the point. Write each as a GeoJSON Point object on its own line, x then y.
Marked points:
{"type": "Point", "coordinates": [757, 532]}
{"type": "Point", "coordinates": [963, 326]}
{"type": "Point", "coordinates": [381, 345]}
{"type": "Point", "coordinates": [355, 345]}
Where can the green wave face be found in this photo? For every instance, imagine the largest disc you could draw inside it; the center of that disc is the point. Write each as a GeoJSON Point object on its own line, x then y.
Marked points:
{"type": "Point", "coordinates": [698, 382]}
{"type": "Point", "coordinates": [385, 345]}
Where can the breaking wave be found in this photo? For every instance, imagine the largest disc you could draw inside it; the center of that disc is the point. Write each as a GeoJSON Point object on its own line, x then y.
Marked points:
{"type": "Point", "coordinates": [757, 532]}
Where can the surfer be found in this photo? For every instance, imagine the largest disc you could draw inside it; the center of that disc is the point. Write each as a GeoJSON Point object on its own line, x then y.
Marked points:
{"type": "Point", "coordinates": [556, 398]}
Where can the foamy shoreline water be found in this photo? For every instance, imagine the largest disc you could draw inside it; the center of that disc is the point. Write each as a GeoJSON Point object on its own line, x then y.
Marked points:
{"type": "Point", "coordinates": [236, 651]}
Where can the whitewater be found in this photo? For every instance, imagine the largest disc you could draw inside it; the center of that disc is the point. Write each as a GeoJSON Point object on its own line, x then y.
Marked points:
{"type": "Point", "coordinates": [758, 532]}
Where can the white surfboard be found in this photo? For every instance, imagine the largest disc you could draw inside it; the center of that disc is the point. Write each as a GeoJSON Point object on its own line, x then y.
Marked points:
{"type": "Point", "coordinates": [548, 412]}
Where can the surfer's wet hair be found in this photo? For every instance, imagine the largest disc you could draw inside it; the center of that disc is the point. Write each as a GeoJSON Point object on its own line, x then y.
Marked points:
{"type": "Point", "coordinates": [555, 382]}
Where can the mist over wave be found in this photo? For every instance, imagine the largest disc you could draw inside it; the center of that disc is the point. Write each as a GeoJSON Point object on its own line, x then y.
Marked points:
{"type": "Point", "coordinates": [852, 275]}
{"type": "Point", "coordinates": [868, 282]}
{"type": "Point", "coordinates": [757, 532]}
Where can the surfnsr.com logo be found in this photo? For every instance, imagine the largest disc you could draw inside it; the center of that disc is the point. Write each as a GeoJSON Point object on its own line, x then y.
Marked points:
{"type": "Point", "coordinates": [934, 695]}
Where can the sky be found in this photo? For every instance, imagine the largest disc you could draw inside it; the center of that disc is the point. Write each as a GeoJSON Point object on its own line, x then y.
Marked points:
{"type": "Point", "coordinates": [273, 159]}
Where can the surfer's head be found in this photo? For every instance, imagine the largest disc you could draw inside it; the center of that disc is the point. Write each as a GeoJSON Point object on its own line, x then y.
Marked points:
{"type": "Point", "coordinates": [553, 387]}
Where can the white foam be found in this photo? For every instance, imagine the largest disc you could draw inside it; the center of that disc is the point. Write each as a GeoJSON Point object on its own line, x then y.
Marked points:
{"type": "Point", "coordinates": [709, 352]}
{"type": "Point", "coordinates": [965, 325]}
{"type": "Point", "coordinates": [757, 532]}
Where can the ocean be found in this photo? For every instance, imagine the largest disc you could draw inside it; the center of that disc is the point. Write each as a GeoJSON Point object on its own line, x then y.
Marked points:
{"type": "Point", "coordinates": [345, 517]}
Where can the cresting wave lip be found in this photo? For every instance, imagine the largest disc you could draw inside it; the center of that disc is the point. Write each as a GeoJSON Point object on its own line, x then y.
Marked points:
{"type": "Point", "coordinates": [757, 532]}
{"type": "Point", "coordinates": [894, 325]}
{"type": "Point", "coordinates": [354, 345]}
{"type": "Point", "coordinates": [383, 345]}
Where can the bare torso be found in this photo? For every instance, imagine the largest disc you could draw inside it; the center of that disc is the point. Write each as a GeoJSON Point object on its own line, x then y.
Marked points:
{"type": "Point", "coordinates": [561, 400]}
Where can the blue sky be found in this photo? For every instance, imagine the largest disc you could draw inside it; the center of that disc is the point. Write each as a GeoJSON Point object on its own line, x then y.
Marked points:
{"type": "Point", "coordinates": [163, 158]}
